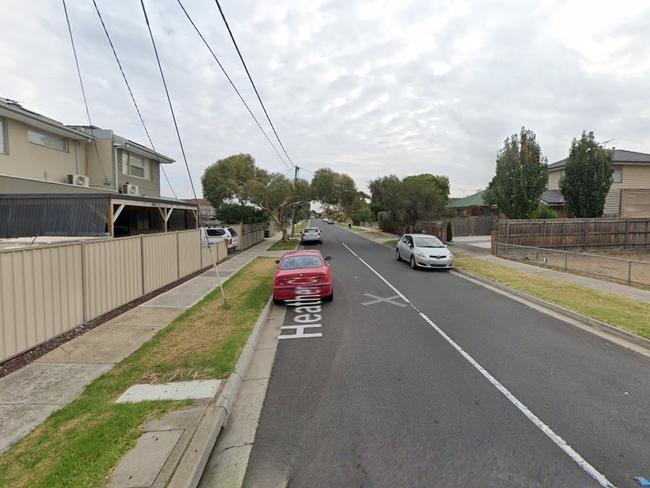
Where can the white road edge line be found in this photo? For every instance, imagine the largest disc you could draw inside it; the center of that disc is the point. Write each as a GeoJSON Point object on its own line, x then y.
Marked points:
{"type": "Point", "coordinates": [559, 441]}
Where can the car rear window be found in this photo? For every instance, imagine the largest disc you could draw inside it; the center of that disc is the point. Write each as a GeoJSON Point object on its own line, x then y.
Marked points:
{"type": "Point", "coordinates": [232, 231]}
{"type": "Point", "coordinates": [295, 262]}
{"type": "Point", "coordinates": [215, 232]}
{"type": "Point", "coordinates": [312, 230]}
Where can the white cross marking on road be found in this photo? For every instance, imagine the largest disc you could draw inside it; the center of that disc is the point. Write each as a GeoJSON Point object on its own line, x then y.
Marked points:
{"type": "Point", "coordinates": [390, 300]}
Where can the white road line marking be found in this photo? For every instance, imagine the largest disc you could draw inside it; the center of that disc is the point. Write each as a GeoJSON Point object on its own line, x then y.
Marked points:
{"type": "Point", "coordinates": [380, 276]}
{"type": "Point", "coordinates": [375, 300]}
{"type": "Point", "coordinates": [559, 441]}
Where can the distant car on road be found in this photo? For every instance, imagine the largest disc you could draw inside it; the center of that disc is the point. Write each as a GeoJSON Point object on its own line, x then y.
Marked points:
{"type": "Point", "coordinates": [330, 221]}
{"type": "Point", "coordinates": [424, 251]}
{"type": "Point", "coordinates": [306, 270]}
{"type": "Point", "coordinates": [311, 234]}
{"type": "Point", "coordinates": [326, 220]}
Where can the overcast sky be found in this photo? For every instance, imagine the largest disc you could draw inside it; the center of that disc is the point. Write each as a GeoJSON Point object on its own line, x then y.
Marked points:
{"type": "Point", "coordinates": [365, 87]}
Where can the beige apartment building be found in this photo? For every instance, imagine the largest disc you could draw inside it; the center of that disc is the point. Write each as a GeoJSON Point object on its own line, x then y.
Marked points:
{"type": "Point", "coordinates": [42, 161]}
{"type": "Point", "coordinates": [629, 195]}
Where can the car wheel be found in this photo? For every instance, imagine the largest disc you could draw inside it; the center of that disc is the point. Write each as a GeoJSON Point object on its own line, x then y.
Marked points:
{"type": "Point", "coordinates": [329, 297]}
{"type": "Point", "coordinates": [277, 302]}
{"type": "Point", "coordinates": [413, 265]}
{"type": "Point", "coordinates": [397, 256]}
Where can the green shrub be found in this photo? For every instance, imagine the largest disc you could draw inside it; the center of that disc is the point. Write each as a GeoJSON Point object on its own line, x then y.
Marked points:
{"type": "Point", "coordinates": [450, 232]}
{"type": "Point", "coordinates": [544, 212]}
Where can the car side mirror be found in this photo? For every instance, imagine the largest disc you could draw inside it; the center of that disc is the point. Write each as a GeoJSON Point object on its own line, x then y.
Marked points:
{"type": "Point", "coordinates": [411, 245]}
{"type": "Point", "coordinates": [328, 258]}
{"type": "Point", "coordinates": [277, 261]}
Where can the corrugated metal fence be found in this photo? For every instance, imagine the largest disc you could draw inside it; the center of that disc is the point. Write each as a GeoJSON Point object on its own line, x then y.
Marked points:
{"type": "Point", "coordinates": [48, 290]}
{"type": "Point", "coordinates": [250, 234]}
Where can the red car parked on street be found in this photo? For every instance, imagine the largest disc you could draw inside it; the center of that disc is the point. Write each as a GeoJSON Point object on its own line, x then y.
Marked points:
{"type": "Point", "coordinates": [303, 272]}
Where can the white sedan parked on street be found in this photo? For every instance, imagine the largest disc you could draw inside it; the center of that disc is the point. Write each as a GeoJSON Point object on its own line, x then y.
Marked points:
{"type": "Point", "coordinates": [424, 251]}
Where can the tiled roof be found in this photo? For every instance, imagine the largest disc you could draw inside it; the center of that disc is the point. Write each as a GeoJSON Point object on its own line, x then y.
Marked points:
{"type": "Point", "coordinates": [619, 156]}
{"type": "Point", "coordinates": [552, 197]}
{"type": "Point", "coordinates": [475, 200]}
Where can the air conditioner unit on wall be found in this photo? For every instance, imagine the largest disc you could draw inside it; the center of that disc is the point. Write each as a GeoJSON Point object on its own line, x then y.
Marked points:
{"type": "Point", "coordinates": [78, 180]}
{"type": "Point", "coordinates": [128, 189]}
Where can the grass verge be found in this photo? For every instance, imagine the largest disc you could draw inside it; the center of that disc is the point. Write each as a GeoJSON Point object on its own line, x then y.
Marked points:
{"type": "Point", "coordinates": [302, 226]}
{"type": "Point", "coordinates": [78, 445]}
{"type": "Point", "coordinates": [354, 227]}
{"type": "Point", "coordinates": [290, 245]}
{"type": "Point", "coordinates": [630, 315]}
{"type": "Point", "coordinates": [391, 243]}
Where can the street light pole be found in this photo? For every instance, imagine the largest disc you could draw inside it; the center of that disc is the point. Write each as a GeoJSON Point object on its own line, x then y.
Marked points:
{"type": "Point", "coordinates": [293, 207]}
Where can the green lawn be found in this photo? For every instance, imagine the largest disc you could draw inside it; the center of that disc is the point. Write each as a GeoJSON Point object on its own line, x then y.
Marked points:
{"type": "Point", "coordinates": [631, 315]}
{"type": "Point", "coordinates": [78, 445]}
{"type": "Point", "coordinates": [290, 245]}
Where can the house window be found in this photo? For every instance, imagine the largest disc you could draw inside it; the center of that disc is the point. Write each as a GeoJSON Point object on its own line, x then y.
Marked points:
{"type": "Point", "coordinates": [617, 176]}
{"type": "Point", "coordinates": [48, 140]}
{"type": "Point", "coordinates": [3, 137]}
{"type": "Point", "coordinates": [135, 165]}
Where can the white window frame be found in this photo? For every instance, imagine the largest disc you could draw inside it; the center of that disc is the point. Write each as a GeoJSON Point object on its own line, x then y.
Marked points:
{"type": "Point", "coordinates": [3, 136]}
{"type": "Point", "coordinates": [620, 172]}
{"type": "Point", "coordinates": [127, 163]}
{"type": "Point", "coordinates": [31, 131]}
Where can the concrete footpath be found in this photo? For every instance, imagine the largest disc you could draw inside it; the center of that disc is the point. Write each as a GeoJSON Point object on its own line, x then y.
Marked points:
{"type": "Point", "coordinates": [28, 396]}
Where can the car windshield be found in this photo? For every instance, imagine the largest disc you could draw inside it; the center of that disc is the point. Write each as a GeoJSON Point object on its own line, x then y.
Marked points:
{"type": "Point", "coordinates": [215, 232]}
{"type": "Point", "coordinates": [232, 231]}
{"type": "Point", "coordinates": [426, 241]}
{"type": "Point", "coordinates": [295, 262]}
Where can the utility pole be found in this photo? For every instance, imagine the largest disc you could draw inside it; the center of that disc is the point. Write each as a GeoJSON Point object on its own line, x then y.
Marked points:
{"type": "Point", "coordinates": [293, 205]}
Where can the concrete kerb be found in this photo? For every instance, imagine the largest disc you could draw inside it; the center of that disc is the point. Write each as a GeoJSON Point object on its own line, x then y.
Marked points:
{"type": "Point", "coordinates": [190, 468]}
{"type": "Point", "coordinates": [596, 324]}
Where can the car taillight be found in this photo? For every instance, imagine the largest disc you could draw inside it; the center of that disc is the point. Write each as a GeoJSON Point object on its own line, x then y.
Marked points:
{"type": "Point", "coordinates": [229, 241]}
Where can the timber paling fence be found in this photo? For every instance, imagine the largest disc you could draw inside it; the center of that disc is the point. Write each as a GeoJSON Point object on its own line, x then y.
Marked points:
{"type": "Point", "coordinates": [50, 289]}
{"type": "Point", "coordinates": [624, 270]}
{"type": "Point", "coordinates": [582, 234]}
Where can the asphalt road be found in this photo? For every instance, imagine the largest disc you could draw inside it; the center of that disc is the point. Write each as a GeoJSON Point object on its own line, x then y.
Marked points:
{"type": "Point", "coordinates": [384, 399]}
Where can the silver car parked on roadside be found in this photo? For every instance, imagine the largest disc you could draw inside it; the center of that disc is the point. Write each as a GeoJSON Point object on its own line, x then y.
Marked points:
{"type": "Point", "coordinates": [311, 234]}
{"type": "Point", "coordinates": [424, 251]}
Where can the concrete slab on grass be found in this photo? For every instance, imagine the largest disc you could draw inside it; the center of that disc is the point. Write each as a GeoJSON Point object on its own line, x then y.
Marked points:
{"type": "Point", "coordinates": [48, 383]}
{"type": "Point", "coordinates": [181, 390]}
{"type": "Point", "coordinates": [142, 464]}
{"type": "Point", "coordinates": [16, 421]}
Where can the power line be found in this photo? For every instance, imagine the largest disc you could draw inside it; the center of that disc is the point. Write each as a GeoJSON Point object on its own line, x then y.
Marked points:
{"type": "Point", "coordinates": [250, 78]}
{"type": "Point", "coordinates": [83, 91]}
{"type": "Point", "coordinates": [128, 87]}
{"type": "Point", "coordinates": [169, 100]}
{"type": "Point", "coordinates": [232, 83]}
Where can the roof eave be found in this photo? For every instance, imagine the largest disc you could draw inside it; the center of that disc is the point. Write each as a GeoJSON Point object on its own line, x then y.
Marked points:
{"type": "Point", "coordinates": [144, 151]}
{"type": "Point", "coordinates": [39, 122]}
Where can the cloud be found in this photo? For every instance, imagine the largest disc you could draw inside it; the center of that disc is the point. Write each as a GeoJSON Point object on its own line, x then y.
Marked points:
{"type": "Point", "coordinates": [366, 87]}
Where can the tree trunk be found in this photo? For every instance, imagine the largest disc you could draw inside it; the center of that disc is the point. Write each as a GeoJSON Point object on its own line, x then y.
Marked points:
{"type": "Point", "coordinates": [285, 237]}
